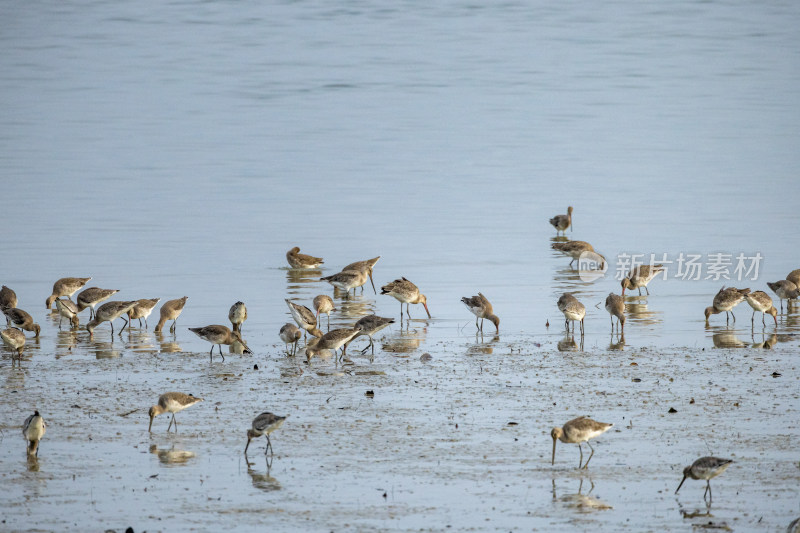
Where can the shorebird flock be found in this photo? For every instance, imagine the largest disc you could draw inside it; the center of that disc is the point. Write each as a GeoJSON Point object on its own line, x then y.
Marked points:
{"type": "Point", "coordinates": [308, 322]}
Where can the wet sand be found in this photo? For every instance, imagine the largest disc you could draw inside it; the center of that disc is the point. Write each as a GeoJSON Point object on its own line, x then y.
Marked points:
{"type": "Point", "coordinates": [460, 442]}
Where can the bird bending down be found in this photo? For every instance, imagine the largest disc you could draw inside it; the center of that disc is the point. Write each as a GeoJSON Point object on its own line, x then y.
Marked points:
{"type": "Point", "coordinates": [304, 318]}
{"type": "Point", "coordinates": [573, 310]}
{"type": "Point", "coordinates": [785, 289]}
{"type": "Point", "coordinates": [14, 339]}
{"type": "Point", "coordinates": [237, 315]}
{"type": "Point", "coordinates": [290, 334]}
{"type": "Point", "coordinates": [91, 297]}
{"type": "Point", "coordinates": [219, 335]}
{"type": "Point", "coordinates": [725, 300]}
{"type": "Point", "coordinates": [481, 308]}
{"type": "Point", "coordinates": [705, 468]}
{"type": "Point", "coordinates": [67, 309]}
{"type": "Point", "coordinates": [577, 249]}
{"type": "Point", "coordinates": [324, 304]}
{"type": "Point", "coordinates": [407, 293]}
{"type": "Point", "coordinates": [264, 424]}
{"type": "Point", "coordinates": [171, 310]}
{"type": "Point", "coordinates": [66, 287]}
{"type": "Point", "coordinates": [576, 431]}
{"type": "Point", "coordinates": [615, 305]}
{"type": "Point", "coordinates": [8, 298]}
{"type": "Point", "coordinates": [761, 302]}
{"type": "Point", "coordinates": [298, 260]}
{"type": "Point", "coordinates": [639, 277]}
{"type": "Point", "coordinates": [108, 312]}
{"type": "Point", "coordinates": [142, 309]}
{"type": "Point", "coordinates": [369, 326]}
{"type": "Point", "coordinates": [333, 340]}
{"type": "Point", "coordinates": [21, 320]}
{"type": "Point", "coordinates": [171, 402]}
{"type": "Point", "coordinates": [562, 222]}
{"type": "Point", "coordinates": [33, 429]}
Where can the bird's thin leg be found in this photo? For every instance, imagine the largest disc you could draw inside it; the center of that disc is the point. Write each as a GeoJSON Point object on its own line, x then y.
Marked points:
{"type": "Point", "coordinates": [762, 319]}
{"type": "Point", "coordinates": [211, 353]}
{"type": "Point", "coordinates": [590, 455]}
{"type": "Point", "coordinates": [752, 318]}
{"type": "Point", "coordinates": [112, 328]}
{"type": "Point", "coordinates": [647, 290]}
{"type": "Point", "coordinates": [145, 323]}
{"type": "Point", "coordinates": [581, 459]}
{"type": "Point", "coordinates": [581, 327]}
{"type": "Point", "coordinates": [59, 322]}
{"type": "Point", "coordinates": [123, 327]}
{"type": "Point", "coordinates": [170, 422]}
{"type": "Point", "coordinates": [734, 316]}
{"type": "Point", "coordinates": [220, 352]}
{"type": "Point", "coordinates": [640, 291]}
{"type": "Point", "coordinates": [329, 321]}
{"type": "Point", "coordinates": [172, 327]}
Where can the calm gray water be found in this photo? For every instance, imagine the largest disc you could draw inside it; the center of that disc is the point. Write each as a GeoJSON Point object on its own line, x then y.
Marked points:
{"type": "Point", "coordinates": [181, 148]}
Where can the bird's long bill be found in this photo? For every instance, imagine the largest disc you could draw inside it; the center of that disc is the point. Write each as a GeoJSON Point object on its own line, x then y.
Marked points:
{"type": "Point", "coordinates": [553, 461]}
{"type": "Point", "coordinates": [679, 486]}
{"type": "Point", "coordinates": [775, 318]}
{"type": "Point", "coordinates": [372, 282]}
{"type": "Point", "coordinates": [248, 445]}
{"type": "Point", "coordinates": [150, 427]}
{"type": "Point", "coordinates": [426, 309]}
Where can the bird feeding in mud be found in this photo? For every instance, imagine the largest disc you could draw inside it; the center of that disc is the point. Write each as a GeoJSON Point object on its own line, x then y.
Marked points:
{"type": "Point", "coordinates": [264, 424]}
{"type": "Point", "coordinates": [576, 431]}
{"type": "Point", "coordinates": [171, 402]}
{"type": "Point", "coordinates": [705, 468]}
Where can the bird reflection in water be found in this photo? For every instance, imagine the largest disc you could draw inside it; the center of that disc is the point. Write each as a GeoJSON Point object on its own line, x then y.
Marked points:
{"type": "Point", "coordinates": [33, 463]}
{"type": "Point", "coordinates": [168, 343]}
{"type": "Point", "coordinates": [353, 309]}
{"type": "Point", "coordinates": [568, 344]}
{"type": "Point", "coordinates": [296, 278]}
{"type": "Point", "coordinates": [636, 309]}
{"type": "Point", "coordinates": [262, 480]}
{"type": "Point", "coordinates": [141, 341]}
{"type": "Point", "coordinates": [766, 342]}
{"type": "Point", "coordinates": [583, 503]}
{"type": "Point", "coordinates": [723, 337]}
{"type": "Point", "coordinates": [66, 341]}
{"type": "Point", "coordinates": [405, 341]}
{"type": "Point", "coordinates": [482, 347]}
{"type": "Point", "coordinates": [172, 456]}
{"type": "Point", "coordinates": [617, 342]}
{"type": "Point", "coordinates": [105, 350]}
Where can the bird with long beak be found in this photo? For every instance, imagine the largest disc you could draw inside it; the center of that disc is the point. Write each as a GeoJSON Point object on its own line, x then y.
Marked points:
{"type": "Point", "coordinates": [367, 265]}
{"type": "Point", "coordinates": [264, 424]}
{"type": "Point", "coordinates": [639, 277]}
{"type": "Point", "coordinates": [171, 402]}
{"type": "Point", "coordinates": [705, 468]}
{"type": "Point", "coordinates": [576, 431]}
{"type": "Point", "coordinates": [218, 335]}
{"type": "Point", "coordinates": [407, 293]}
{"type": "Point", "coordinates": [480, 307]}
